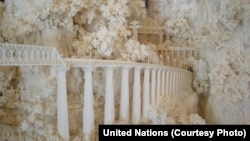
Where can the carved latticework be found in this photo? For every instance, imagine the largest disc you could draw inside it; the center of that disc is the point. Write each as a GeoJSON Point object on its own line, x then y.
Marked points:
{"type": "Point", "coordinates": [149, 27]}
{"type": "Point", "coordinates": [22, 55]}
{"type": "Point", "coordinates": [177, 56]}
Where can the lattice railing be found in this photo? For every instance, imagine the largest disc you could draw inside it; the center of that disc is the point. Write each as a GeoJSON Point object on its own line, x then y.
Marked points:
{"type": "Point", "coordinates": [177, 56]}
{"type": "Point", "coordinates": [11, 135]}
{"type": "Point", "coordinates": [23, 55]}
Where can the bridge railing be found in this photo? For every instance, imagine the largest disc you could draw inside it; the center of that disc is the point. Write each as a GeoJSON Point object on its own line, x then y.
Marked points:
{"type": "Point", "coordinates": [23, 55]}
{"type": "Point", "coordinates": [150, 83]}
{"type": "Point", "coordinates": [177, 56]}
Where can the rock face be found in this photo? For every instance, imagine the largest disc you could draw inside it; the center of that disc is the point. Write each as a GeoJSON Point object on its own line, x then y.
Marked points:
{"type": "Point", "coordinates": [223, 81]}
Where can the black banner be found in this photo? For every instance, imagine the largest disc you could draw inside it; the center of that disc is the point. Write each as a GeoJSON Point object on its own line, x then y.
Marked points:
{"type": "Point", "coordinates": [174, 132]}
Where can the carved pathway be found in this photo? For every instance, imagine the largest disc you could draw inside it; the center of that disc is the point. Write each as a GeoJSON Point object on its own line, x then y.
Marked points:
{"type": "Point", "coordinates": [151, 81]}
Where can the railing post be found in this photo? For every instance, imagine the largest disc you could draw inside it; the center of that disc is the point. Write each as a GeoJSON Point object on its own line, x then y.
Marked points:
{"type": "Point", "coordinates": [153, 84]}
{"type": "Point", "coordinates": [158, 84]}
{"type": "Point", "coordinates": [88, 104]}
{"type": "Point", "coordinates": [109, 109]}
{"type": "Point", "coordinates": [146, 93]}
{"type": "Point", "coordinates": [124, 107]}
{"type": "Point", "coordinates": [136, 107]}
{"type": "Point", "coordinates": [62, 105]}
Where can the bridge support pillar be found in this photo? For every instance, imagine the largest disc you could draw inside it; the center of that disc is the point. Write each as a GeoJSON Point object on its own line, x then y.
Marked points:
{"type": "Point", "coordinates": [178, 85]}
{"type": "Point", "coordinates": [170, 90]}
{"type": "Point", "coordinates": [146, 93]}
{"type": "Point", "coordinates": [124, 107]}
{"type": "Point", "coordinates": [181, 81]}
{"type": "Point", "coordinates": [167, 83]}
{"type": "Point", "coordinates": [109, 109]}
{"type": "Point", "coordinates": [88, 104]}
{"type": "Point", "coordinates": [163, 92]}
{"type": "Point", "coordinates": [62, 105]}
{"type": "Point", "coordinates": [175, 85]}
{"type": "Point", "coordinates": [136, 107]}
{"type": "Point", "coordinates": [158, 84]}
{"type": "Point", "coordinates": [153, 84]}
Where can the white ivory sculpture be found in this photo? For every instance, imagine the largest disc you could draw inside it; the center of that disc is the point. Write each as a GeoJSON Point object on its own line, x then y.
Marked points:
{"type": "Point", "coordinates": [92, 71]}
